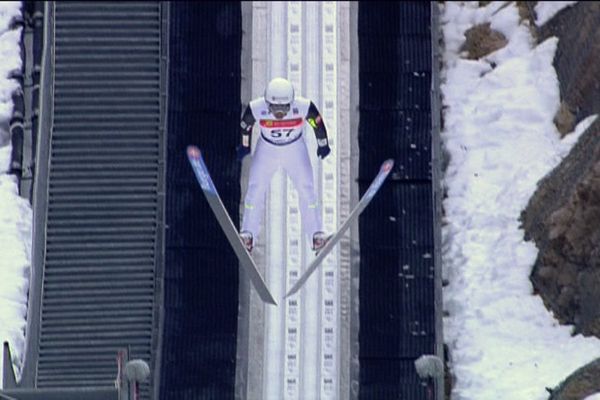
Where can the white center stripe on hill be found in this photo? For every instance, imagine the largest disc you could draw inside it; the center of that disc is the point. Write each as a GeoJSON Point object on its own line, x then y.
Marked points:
{"type": "Point", "coordinates": [298, 342]}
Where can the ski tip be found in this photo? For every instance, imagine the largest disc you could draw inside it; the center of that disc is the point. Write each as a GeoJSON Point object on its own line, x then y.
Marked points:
{"type": "Point", "coordinates": [388, 165]}
{"type": "Point", "coordinates": [193, 152]}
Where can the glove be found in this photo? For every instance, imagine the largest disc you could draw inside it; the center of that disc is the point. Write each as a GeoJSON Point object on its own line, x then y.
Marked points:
{"type": "Point", "coordinates": [323, 151]}
{"type": "Point", "coordinates": [242, 152]}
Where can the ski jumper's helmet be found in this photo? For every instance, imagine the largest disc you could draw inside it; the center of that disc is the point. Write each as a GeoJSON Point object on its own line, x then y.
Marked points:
{"type": "Point", "coordinates": [279, 94]}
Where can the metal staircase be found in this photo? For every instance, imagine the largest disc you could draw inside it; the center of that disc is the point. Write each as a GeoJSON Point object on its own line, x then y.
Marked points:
{"type": "Point", "coordinates": [100, 198]}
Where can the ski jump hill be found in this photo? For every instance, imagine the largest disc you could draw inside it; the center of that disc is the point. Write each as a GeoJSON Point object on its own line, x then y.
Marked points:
{"type": "Point", "coordinates": [128, 260]}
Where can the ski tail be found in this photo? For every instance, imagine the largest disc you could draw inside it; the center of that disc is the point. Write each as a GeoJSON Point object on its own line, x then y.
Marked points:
{"type": "Point", "coordinates": [384, 171]}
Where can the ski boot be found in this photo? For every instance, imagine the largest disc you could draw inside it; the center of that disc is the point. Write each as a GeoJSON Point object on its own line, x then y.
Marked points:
{"type": "Point", "coordinates": [319, 241]}
{"type": "Point", "coordinates": [247, 240]}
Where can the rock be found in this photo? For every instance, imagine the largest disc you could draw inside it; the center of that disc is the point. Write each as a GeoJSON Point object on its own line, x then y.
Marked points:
{"type": "Point", "coordinates": [578, 47]}
{"type": "Point", "coordinates": [547, 272]}
{"type": "Point", "coordinates": [566, 297]}
{"type": "Point", "coordinates": [564, 119]}
{"type": "Point", "coordinates": [589, 291]}
{"type": "Point", "coordinates": [580, 384]}
{"type": "Point", "coordinates": [481, 40]}
{"type": "Point", "coordinates": [558, 222]}
{"type": "Point", "coordinates": [567, 275]}
{"type": "Point", "coordinates": [563, 218]}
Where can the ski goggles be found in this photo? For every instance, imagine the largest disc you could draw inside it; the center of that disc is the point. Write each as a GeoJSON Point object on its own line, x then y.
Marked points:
{"type": "Point", "coordinates": [279, 108]}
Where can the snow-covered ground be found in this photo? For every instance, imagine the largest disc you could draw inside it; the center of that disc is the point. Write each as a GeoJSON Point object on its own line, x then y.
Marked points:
{"type": "Point", "coordinates": [501, 141]}
{"type": "Point", "coordinates": [15, 212]}
{"type": "Point", "coordinates": [15, 260]}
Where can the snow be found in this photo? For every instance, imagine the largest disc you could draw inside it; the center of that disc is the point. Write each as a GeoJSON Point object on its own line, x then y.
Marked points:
{"type": "Point", "coordinates": [500, 140]}
{"type": "Point", "coordinates": [593, 397]}
{"type": "Point", "coordinates": [15, 212]}
{"type": "Point", "coordinates": [545, 10]}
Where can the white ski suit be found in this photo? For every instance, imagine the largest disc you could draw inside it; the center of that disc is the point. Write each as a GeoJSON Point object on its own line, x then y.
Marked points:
{"type": "Point", "coordinates": [281, 144]}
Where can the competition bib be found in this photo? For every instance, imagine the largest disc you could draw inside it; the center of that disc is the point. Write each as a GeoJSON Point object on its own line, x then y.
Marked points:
{"type": "Point", "coordinates": [281, 131]}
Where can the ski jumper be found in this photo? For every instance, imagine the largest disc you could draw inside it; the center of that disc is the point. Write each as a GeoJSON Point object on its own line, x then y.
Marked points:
{"type": "Point", "coordinates": [281, 145]}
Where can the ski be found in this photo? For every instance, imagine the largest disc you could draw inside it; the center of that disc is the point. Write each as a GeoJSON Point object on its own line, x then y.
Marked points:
{"type": "Point", "coordinates": [384, 171]}
{"type": "Point", "coordinates": [216, 204]}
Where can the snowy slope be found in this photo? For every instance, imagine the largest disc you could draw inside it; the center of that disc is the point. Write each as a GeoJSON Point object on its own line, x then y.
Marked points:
{"type": "Point", "coordinates": [15, 260]}
{"type": "Point", "coordinates": [15, 213]}
{"type": "Point", "coordinates": [501, 141]}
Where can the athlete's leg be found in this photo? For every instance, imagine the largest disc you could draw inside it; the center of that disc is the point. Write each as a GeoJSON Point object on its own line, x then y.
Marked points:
{"type": "Point", "coordinates": [264, 165]}
{"type": "Point", "coordinates": [298, 167]}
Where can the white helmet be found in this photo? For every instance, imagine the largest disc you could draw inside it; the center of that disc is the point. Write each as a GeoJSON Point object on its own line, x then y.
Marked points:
{"type": "Point", "coordinates": [279, 91]}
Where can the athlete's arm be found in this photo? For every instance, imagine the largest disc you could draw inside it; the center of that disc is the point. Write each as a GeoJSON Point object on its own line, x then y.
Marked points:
{"type": "Point", "coordinates": [316, 121]}
{"type": "Point", "coordinates": [246, 125]}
